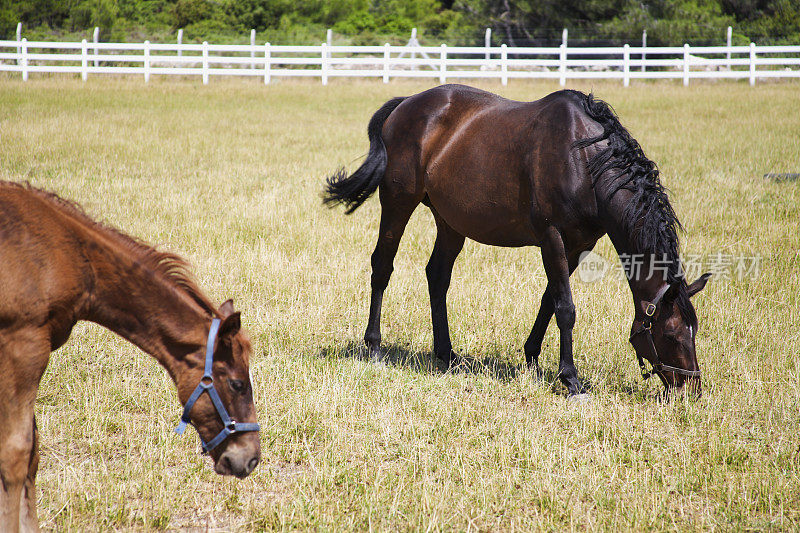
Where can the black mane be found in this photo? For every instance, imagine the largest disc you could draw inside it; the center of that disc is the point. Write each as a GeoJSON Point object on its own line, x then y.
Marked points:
{"type": "Point", "coordinates": [648, 216]}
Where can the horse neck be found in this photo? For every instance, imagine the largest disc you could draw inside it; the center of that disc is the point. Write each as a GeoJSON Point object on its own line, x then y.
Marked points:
{"type": "Point", "coordinates": [646, 276]}
{"type": "Point", "coordinates": [146, 309]}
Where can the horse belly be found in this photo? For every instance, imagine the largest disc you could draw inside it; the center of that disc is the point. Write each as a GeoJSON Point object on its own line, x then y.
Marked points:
{"type": "Point", "coordinates": [485, 207]}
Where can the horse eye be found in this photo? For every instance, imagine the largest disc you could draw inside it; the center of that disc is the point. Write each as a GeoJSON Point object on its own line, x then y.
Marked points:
{"type": "Point", "coordinates": [236, 385]}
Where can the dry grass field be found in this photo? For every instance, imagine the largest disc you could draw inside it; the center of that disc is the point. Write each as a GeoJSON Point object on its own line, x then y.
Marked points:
{"type": "Point", "coordinates": [230, 174]}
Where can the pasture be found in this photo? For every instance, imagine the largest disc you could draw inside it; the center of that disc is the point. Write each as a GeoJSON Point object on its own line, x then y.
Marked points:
{"type": "Point", "coordinates": [229, 175]}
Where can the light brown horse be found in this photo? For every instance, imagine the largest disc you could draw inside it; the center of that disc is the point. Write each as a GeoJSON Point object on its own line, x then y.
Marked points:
{"type": "Point", "coordinates": [58, 267]}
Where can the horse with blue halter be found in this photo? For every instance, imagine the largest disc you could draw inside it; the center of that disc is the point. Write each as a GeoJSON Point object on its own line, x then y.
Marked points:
{"type": "Point", "coordinates": [58, 267]}
{"type": "Point", "coordinates": [558, 173]}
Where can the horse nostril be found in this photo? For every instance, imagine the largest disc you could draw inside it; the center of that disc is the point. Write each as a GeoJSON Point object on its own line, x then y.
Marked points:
{"type": "Point", "coordinates": [252, 464]}
{"type": "Point", "coordinates": [226, 463]}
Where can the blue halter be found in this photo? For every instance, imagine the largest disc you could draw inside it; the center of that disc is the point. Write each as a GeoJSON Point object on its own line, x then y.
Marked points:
{"type": "Point", "coordinates": [207, 385]}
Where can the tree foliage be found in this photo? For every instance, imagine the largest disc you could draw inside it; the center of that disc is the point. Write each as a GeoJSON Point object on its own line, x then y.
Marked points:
{"type": "Point", "coordinates": [667, 22]}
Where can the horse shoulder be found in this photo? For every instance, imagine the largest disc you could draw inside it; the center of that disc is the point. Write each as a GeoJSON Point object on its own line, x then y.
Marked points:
{"type": "Point", "coordinates": [44, 281]}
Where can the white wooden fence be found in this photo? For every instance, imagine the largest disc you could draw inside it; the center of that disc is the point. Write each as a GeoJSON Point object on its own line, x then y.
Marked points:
{"type": "Point", "coordinates": [440, 62]}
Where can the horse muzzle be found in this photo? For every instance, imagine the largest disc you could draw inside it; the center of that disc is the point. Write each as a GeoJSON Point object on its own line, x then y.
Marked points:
{"type": "Point", "coordinates": [238, 460]}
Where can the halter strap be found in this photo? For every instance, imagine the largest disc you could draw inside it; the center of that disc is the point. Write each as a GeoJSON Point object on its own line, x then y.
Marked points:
{"type": "Point", "coordinates": [651, 307]}
{"type": "Point", "coordinates": [207, 385]}
{"type": "Point", "coordinates": [647, 324]}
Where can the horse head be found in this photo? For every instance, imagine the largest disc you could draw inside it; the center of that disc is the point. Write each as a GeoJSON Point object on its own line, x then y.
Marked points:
{"type": "Point", "coordinates": [218, 396]}
{"type": "Point", "coordinates": [663, 333]}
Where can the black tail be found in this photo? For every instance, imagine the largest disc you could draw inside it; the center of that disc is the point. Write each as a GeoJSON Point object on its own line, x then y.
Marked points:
{"type": "Point", "coordinates": [354, 190]}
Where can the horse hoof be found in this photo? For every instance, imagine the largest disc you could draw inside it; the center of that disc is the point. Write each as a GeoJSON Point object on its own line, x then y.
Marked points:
{"type": "Point", "coordinates": [441, 365]}
{"type": "Point", "coordinates": [580, 399]}
{"type": "Point", "coordinates": [536, 372]}
{"type": "Point", "coordinates": [376, 357]}
{"type": "Point", "coordinates": [446, 361]}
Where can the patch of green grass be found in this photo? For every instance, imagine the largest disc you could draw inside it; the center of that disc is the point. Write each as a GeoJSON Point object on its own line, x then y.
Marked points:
{"type": "Point", "coordinates": [229, 175]}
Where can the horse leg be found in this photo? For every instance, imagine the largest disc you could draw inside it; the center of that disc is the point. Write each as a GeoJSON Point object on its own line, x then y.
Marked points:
{"type": "Point", "coordinates": [394, 218]}
{"type": "Point", "coordinates": [16, 457]}
{"type": "Point", "coordinates": [557, 268]}
{"type": "Point", "coordinates": [533, 346]}
{"type": "Point", "coordinates": [28, 519]}
{"type": "Point", "coordinates": [440, 267]}
{"type": "Point", "coordinates": [23, 358]}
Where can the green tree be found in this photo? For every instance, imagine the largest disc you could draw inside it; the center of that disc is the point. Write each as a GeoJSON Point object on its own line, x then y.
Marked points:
{"type": "Point", "coordinates": [454, 21]}
{"type": "Point", "coordinates": [91, 13]}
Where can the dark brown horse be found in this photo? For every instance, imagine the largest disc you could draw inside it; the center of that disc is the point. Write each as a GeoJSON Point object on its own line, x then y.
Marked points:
{"type": "Point", "coordinates": [558, 173]}
{"type": "Point", "coordinates": [59, 267]}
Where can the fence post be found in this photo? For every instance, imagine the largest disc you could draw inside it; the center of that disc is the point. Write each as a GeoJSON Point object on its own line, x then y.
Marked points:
{"type": "Point", "coordinates": [324, 63]}
{"type": "Point", "coordinates": [443, 64]}
{"type": "Point", "coordinates": [504, 64]}
{"type": "Point", "coordinates": [19, 36]}
{"type": "Point", "coordinates": [146, 61]}
{"type": "Point", "coordinates": [253, 49]}
{"type": "Point", "coordinates": [329, 40]}
{"type": "Point", "coordinates": [686, 64]}
{"type": "Point", "coordinates": [180, 41]}
{"type": "Point", "coordinates": [267, 63]}
{"type": "Point", "coordinates": [644, 46]}
{"type": "Point", "coordinates": [23, 61]}
{"type": "Point", "coordinates": [626, 65]}
{"type": "Point", "coordinates": [205, 62]}
{"type": "Point", "coordinates": [488, 43]}
{"type": "Point", "coordinates": [752, 64]}
{"type": "Point", "coordinates": [96, 39]}
{"type": "Point", "coordinates": [562, 67]}
{"type": "Point", "coordinates": [729, 40]}
{"type": "Point", "coordinates": [386, 55]}
{"type": "Point", "coordinates": [84, 61]}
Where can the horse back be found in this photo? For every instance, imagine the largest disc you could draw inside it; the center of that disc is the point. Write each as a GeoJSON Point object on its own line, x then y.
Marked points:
{"type": "Point", "coordinates": [497, 170]}
{"type": "Point", "coordinates": [46, 277]}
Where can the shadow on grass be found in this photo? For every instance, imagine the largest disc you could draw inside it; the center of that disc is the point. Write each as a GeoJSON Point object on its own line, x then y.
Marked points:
{"type": "Point", "coordinates": [493, 365]}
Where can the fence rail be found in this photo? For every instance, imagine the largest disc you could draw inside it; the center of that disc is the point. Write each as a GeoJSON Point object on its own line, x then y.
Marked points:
{"type": "Point", "coordinates": [443, 62]}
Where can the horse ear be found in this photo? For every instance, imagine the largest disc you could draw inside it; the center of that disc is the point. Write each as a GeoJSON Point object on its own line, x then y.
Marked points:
{"type": "Point", "coordinates": [230, 325]}
{"type": "Point", "coordinates": [698, 284]}
{"type": "Point", "coordinates": [226, 308]}
{"type": "Point", "coordinates": [672, 292]}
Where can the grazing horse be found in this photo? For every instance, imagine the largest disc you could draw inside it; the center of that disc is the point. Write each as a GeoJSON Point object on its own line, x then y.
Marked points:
{"type": "Point", "coordinates": [59, 267]}
{"type": "Point", "coordinates": [557, 173]}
